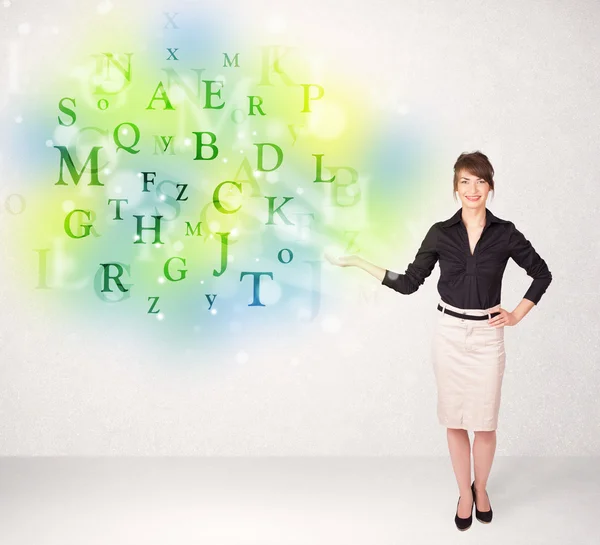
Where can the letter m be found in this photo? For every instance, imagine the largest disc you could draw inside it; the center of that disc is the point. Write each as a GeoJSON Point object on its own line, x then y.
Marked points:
{"type": "Point", "coordinates": [192, 231]}
{"type": "Point", "coordinates": [65, 159]}
{"type": "Point", "coordinates": [228, 61]}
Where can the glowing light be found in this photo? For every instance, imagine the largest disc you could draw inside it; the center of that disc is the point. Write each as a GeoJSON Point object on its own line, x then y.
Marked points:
{"type": "Point", "coordinates": [328, 120]}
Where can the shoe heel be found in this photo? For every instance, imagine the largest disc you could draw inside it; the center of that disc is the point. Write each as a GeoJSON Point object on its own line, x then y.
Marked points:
{"type": "Point", "coordinates": [463, 524]}
{"type": "Point", "coordinates": [481, 516]}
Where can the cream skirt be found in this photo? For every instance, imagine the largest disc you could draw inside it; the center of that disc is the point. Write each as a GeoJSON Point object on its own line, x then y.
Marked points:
{"type": "Point", "coordinates": [468, 362]}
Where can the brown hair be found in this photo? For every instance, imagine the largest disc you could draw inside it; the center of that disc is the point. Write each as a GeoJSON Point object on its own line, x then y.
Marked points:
{"type": "Point", "coordinates": [477, 164]}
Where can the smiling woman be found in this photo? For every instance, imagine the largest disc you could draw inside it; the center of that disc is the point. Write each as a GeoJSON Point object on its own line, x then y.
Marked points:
{"type": "Point", "coordinates": [472, 247]}
{"type": "Point", "coordinates": [473, 177]}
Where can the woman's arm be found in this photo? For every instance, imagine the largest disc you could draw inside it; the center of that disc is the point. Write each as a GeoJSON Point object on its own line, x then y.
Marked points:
{"type": "Point", "coordinates": [415, 274]}
{"type": "Point", "coordinates": [419, 269]}
{"type": "Point", "coordinates": [524, 255]}
{"type": "Point", "coordinates": [522, 309]}
{"type": "Point", "coordinates": [357, 261]}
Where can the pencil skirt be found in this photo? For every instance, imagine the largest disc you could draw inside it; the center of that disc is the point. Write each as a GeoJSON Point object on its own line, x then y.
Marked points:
{"type": "Point", "coordinates": [468, 363]}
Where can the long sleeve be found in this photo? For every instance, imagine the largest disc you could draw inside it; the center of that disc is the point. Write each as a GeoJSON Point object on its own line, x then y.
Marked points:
{"type": "Point", "coordinates": [526, 257]}
{"type": "Point", "coordinates": [418, 270]}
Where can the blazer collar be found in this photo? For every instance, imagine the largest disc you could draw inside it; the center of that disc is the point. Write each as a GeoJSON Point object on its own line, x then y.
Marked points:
{"type": "Point", "coordinates": [456, 218]}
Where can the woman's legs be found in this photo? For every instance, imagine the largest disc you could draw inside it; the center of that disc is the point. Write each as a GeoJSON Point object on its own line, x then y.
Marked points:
{"type": "Point", "coordinates": [484, 446]}
{"type": "Point", "coordinates": [460, 454]}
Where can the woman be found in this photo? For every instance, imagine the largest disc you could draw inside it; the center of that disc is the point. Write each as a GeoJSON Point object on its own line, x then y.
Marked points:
{"type": "Point", "coordinates": [472, 247]}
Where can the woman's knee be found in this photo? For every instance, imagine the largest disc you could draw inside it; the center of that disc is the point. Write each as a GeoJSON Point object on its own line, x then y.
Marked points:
{"type": "Point", "coordinates": [461, 431]}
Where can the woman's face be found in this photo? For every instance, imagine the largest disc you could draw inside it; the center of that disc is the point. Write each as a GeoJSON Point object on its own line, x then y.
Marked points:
{"type": "Point", "coordinates": [470, 185]}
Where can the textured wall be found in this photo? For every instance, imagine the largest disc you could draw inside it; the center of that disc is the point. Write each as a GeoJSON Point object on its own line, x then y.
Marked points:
{"type": "Point", "coordinates": [517, 80]}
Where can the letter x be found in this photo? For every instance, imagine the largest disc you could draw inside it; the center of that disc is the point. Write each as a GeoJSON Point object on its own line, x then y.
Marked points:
{"type": "Point", "coordinates": [171, 19]}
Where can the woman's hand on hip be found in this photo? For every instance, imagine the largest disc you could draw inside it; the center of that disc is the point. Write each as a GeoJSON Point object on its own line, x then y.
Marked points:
{"type": "Point", "coordinates": [503, 319]}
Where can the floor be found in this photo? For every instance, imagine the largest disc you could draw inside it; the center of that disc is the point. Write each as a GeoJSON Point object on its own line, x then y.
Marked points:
{"type": "Point", "coordinates": [303, 501]}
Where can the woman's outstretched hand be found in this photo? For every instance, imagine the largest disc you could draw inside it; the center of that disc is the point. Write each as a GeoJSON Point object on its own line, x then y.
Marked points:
{"type": "Point", "coordinates": [355, 261]}
{"type": "Point", "coordinates": [341, 261]}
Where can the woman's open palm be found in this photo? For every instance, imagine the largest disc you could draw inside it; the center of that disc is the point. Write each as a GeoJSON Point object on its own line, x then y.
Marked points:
{"type": "Point", "coordinates": [341, 261]}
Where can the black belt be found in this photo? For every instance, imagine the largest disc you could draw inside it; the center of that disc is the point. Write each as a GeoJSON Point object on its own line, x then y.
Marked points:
{"type": "Point", "coordinates": [467, 316]}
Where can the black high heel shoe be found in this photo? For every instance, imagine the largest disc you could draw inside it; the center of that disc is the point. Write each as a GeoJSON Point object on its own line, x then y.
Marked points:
{"type": "Point", "coordinates": [482, 516]}
{"type": "Point", "coordinates": [463, 524]}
